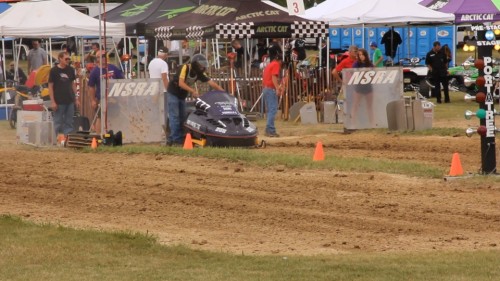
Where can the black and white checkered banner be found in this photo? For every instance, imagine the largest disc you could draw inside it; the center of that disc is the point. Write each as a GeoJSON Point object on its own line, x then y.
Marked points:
{"type": "Point", "coordinates": [195, 32]}
{"type": "Point", "coordinates": [241, 30]}
{"type": "Point", "coordinates": [309, 29]}
{"type": "Point", "coordinates": [163, 32]}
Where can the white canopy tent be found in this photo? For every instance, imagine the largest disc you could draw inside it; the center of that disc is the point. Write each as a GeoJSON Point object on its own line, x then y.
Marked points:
{"type": "Point", "coordinates": [385, 12]}
{"type": "Point", "coordinates": [50, 18]}
{"type": "Point", "coordinates": [327, 7]}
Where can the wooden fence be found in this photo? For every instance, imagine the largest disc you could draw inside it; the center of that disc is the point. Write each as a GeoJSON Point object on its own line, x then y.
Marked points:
{"type": "Point", "coordinates": [304, 84]}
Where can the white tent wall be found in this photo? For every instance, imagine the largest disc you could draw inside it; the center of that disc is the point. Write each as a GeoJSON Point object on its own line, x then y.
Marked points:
{"type": "Point", "coordinates": [50, 18]}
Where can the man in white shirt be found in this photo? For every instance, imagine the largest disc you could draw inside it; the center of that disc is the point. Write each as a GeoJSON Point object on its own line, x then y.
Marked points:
{"type": "Point", "coordinates": [158, 68]}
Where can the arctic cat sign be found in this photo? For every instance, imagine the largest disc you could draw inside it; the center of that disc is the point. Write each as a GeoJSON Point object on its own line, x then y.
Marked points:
{"type": "Point", "coordinates": [274, 30]}
{"type": "Point", "coordinates": [476, 17]}
{"type": "Point", "coordinates": [258, 14]}
{"type": "Point", "coordinates": [214, 10]}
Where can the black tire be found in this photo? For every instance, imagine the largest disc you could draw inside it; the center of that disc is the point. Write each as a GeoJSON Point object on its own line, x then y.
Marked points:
{"type": "Point", "coordinates": [13, 118]}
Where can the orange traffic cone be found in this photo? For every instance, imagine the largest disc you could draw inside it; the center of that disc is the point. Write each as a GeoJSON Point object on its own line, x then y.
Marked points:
{"type": "Point", "coordinates": [188, 142]}
{"type": "Point", "coordinates": [318, 152]}
{"type": "Point", "coordinates": [94, 143]}
{"type": "Point", "coordinates": [456, 166]}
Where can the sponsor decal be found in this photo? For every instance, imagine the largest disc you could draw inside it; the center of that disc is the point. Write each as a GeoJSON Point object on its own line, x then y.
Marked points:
{"type": "Point", "coordinates": [125, 89]}
{"type": "Point", "coordinates": [213, 10]}
{"type": "Point", "coordinates": [490, 118]}
{"type": "Point", "coordinates": [136, 10]}
{"type": "Point", "coordinates": [443, 33]}
{"type": "Point", "coordinates": [373, 77]}
{"type": "Point", "coordinates": [174, 12]}
{"type": "Point", "coordinates": [371, 33]}
{"type": "Point", "coordinates": [250, 129]}
{"type": "Point", "coordinates": [358, 32]}
{"type": "Point", "coordinates": [258, 14]}
{"type": "Point", "coordinates": [334, 32]}
{"type": "Point", "coordinates": [437, 4]}
{"type": "Point", "coordinates": [220, 130]}
{"type": "Point", "coordinates": [270, 29]}
{"type": "Point", "coordinates": [193, 124]}
{"type": "Point", "coordinates": [423, 33]}
{"type": "Point", "coordinates": [477, 17]}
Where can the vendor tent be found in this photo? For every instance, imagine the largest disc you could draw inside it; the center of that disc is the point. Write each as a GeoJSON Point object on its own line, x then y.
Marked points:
{"type": "Point", "coordinates": [237, 19]}
{"type": "Point", "coordinates": [385, 12]}
{"type": "Point", "coordinates": [327, 7]}
{"type": "Point", "coordinates": [467, 11]}
{"type": "Point", "coordinates": [136, 13]}
{"type": "Point", "coordinates": [49, 18]}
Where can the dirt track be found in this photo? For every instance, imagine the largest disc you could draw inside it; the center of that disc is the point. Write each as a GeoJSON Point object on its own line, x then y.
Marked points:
{"type": "Point", "coordinates": [233, 207]}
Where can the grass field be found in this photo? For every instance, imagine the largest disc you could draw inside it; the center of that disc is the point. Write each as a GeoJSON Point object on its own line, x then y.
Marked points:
{"type": "Point", "coordinates": [50, 252]}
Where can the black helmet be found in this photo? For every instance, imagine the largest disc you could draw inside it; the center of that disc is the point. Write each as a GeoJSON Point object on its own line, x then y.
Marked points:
{"type": "Point", "coordinates": [200, 59]}
{"type": "Point", "coordinates": [199, 63]}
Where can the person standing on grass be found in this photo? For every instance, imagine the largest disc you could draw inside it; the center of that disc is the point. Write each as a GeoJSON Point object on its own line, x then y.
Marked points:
{"type": "Point", "coordinates": [36, 56]}
{"type": "Point", "coordinates": [158, 68]}
{"type": "Point", "coordinates": [62, 92]}
{"type": "Point", "coordinates": [436, 63]}
{"type": "Point", "coordinates": [271, 89]}
{"type": "Point", "coordinates": [378, 58]}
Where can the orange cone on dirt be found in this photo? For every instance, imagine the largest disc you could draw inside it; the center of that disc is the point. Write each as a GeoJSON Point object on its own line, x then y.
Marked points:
{"type": "Point", "coordinates": [188, 142]}
{"type": "Point", "coordinates": [94, 143]}
{"type": "Point", "coordinates": [319, 155]}
{"type": "Point", "coordinates": [456, 166]}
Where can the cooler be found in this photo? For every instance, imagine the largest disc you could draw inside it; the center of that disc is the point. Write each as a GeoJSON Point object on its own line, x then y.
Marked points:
{"type": "Point", "coordinates": [33, 105]}
{"type": "Point", "coordinates": [24, 118]}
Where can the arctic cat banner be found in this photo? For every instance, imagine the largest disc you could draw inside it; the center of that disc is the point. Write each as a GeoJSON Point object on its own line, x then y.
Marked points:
{"type": "Point", "coordinates": [467, 11]}
{"type": "Point", "coordinates": [135, 107]}
{"type": "Point", "coordinates": [237, 19]}
{"type": "Point", "coordinates": [367, 93]}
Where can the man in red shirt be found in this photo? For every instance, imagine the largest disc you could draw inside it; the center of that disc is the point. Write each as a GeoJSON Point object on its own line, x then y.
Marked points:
{"type": "Point", "coordinates": [270, 89]}
{"type": "Point", "coordinates": [345, 63]}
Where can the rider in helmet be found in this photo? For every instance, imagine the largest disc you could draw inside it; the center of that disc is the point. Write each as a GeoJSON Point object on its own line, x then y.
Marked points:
{"type": "Point", "coordinates": [179, 87]}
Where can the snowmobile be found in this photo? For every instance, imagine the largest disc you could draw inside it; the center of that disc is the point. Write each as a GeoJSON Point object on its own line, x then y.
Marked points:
{"type": "Point", "coordinates": [216, 121]}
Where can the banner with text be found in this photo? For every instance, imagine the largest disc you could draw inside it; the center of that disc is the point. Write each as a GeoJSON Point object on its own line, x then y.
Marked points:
{"type": "Point", "coordinates": [135, 107]}
{"type": "Point", "coordinates": [367, 93]}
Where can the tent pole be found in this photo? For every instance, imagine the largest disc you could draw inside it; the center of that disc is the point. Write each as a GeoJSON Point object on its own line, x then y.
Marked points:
{"type": "Point", "coordinates": [218, 55]}
{"type": "Point", "coordinates": [363, 35]}
{"type": "Point", "coordinates": [328, 61]}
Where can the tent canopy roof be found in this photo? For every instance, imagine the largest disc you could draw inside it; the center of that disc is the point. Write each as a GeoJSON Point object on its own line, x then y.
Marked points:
{"type": "Point", "coordinates": [136, 13]}
{"type": "Point", "coordinates": [471, 11]}
{"type": "Point", "coordinates": [385, 12]}
{"type": "Point", "coordinates": [237, 19]}
{"type": "Point", "coordinates": [49, 18]}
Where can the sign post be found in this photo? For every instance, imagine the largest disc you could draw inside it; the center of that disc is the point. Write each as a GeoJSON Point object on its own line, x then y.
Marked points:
{"type": "Point", "coordinates": [295, 7]}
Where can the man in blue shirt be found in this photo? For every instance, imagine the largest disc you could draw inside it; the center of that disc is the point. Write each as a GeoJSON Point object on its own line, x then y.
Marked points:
{"type": "Point", "coordinates": [111, 72]}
